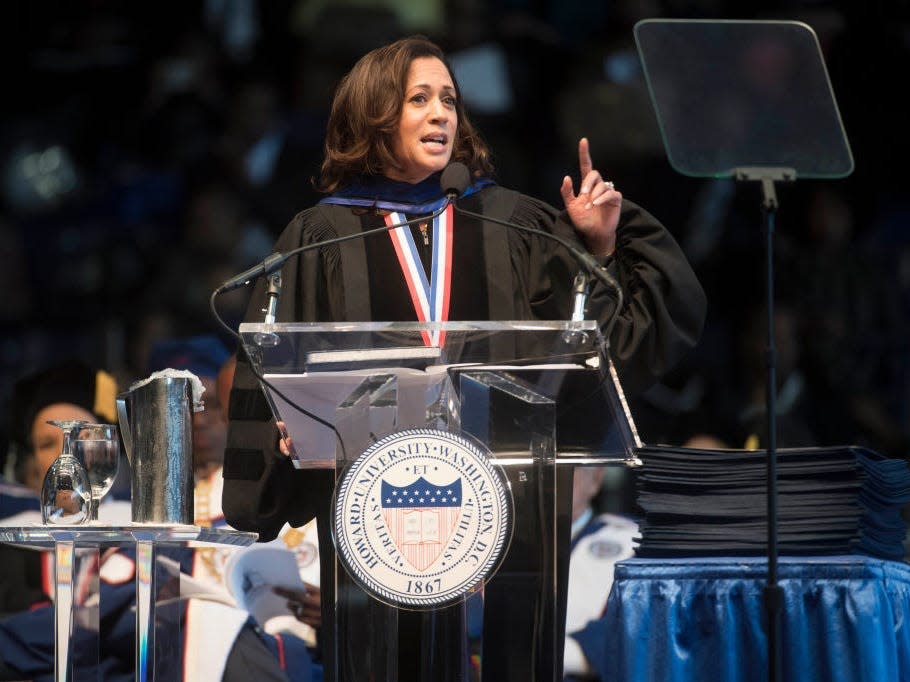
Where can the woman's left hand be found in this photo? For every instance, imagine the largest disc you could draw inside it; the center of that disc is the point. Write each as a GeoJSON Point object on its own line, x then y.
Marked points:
{"type": "Point", "coordinates": [594, 211]}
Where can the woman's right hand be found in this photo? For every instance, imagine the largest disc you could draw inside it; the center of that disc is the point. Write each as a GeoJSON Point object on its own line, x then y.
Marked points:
{"type": "Point", "coordinates": [595, 210]}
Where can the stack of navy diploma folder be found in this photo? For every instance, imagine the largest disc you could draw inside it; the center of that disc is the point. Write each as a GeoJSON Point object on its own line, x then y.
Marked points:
{"type": "Point", "coordinates": [836, 500]}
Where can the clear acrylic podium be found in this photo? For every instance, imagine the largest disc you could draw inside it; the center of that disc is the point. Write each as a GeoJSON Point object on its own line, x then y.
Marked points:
{"type": "Point", "coordinates": [541, 397]}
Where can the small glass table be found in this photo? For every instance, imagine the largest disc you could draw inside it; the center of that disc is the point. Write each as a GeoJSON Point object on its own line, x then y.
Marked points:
{"type": "Point", "coordinates": [75, 545]}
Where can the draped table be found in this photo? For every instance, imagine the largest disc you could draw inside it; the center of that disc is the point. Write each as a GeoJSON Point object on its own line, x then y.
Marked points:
{"type": "Point", "coordinates": [845, 618]}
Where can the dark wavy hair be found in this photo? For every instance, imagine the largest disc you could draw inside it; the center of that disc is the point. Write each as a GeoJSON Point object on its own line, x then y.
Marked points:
{"type": "Point", "coordinates": [366, 110]}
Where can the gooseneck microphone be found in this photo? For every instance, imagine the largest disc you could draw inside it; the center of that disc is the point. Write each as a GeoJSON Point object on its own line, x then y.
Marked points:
{"type": "Point", "coordinates": [456, 179]}
{"type": "Point", "coordinates": [264, 267]}
{"type": "Point", "coordinates": [268, 266]}
{"type": "Point", "coordinates": [277, 259]}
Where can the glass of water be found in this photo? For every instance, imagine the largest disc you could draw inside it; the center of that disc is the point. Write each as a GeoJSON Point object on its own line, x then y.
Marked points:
{"type": "Point", "coordinates": [66, 496]}
{"type": "Point", "coordinates": [97, 447]}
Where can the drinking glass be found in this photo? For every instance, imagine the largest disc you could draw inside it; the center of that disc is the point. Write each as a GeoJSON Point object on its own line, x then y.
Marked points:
{"type": "Point", "coordinates": [66, 495]}
{"type": "Point", "coordinates": [97, 447]}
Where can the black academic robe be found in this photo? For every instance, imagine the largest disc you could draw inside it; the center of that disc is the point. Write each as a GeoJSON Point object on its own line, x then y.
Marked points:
{"type": "Point", "coordinates": [498, 273]}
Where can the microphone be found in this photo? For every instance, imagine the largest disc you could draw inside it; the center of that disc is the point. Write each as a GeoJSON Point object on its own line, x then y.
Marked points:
{"type": "Point", "coordinates": [264, 267]}
{"type": "Point", "coordinates": [455, 180]}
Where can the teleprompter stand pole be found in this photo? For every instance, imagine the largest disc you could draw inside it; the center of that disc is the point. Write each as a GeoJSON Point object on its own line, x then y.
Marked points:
{"type": "Point", "coordinates": [773, 593]}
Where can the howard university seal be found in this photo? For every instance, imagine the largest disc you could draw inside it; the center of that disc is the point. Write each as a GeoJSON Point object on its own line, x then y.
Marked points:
{"type": "Point", "coordinates": [421, 518]}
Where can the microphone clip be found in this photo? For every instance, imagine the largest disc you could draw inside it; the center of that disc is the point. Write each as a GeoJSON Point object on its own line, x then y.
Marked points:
{"type": "Point", "coordinates": [270, 339]}
{"type": "Point", "coordinates": [274, 291]}
{"type": "Point", "coordinates": [580, 289]}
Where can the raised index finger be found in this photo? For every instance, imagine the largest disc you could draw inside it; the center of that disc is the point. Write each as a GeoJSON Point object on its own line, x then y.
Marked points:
{"type": "Point", "coordinates": [584, 158]}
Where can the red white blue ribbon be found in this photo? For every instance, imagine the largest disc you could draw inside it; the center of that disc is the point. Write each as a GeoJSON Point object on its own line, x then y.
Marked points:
{"type": "Point", "coordinates": [430, 297]}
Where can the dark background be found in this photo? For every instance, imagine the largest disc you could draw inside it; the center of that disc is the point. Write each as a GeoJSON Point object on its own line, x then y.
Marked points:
{"type": "Point", "coordinates": [150, 149]}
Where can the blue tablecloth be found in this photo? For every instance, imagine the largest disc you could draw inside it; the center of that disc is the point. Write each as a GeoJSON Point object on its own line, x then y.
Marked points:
{"type": "Point", "coordinates": [845, 618]}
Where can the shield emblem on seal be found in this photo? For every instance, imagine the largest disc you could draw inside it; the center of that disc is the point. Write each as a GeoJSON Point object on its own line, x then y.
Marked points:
{"type": "Point", "coordinates": [421, 518]}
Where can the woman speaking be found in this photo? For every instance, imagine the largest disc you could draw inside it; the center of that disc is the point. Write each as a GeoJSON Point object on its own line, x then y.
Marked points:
{"type": "Point", "coordinates": [397, 121]}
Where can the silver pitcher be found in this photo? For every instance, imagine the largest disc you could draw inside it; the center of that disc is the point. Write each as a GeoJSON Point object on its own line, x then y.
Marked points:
{"type": "Point", "coordinates": [156, 424]}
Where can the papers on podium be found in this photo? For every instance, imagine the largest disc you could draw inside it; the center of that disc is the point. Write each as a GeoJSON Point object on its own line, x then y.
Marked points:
{"type": "Point", "coordinates": [401, 394]}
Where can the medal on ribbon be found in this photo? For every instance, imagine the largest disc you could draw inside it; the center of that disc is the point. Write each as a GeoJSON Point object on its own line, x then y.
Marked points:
{"type": "Point", "coordinates": [430, 297]}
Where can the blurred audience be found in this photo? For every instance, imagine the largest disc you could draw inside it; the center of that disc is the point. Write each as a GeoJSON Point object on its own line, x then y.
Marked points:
{"type": "Point", "coordinates": [69, 390]}
{"type": "Point", "coordinates": [599, 540]}
{"type": "Point", "coordinates": [849, 320]}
